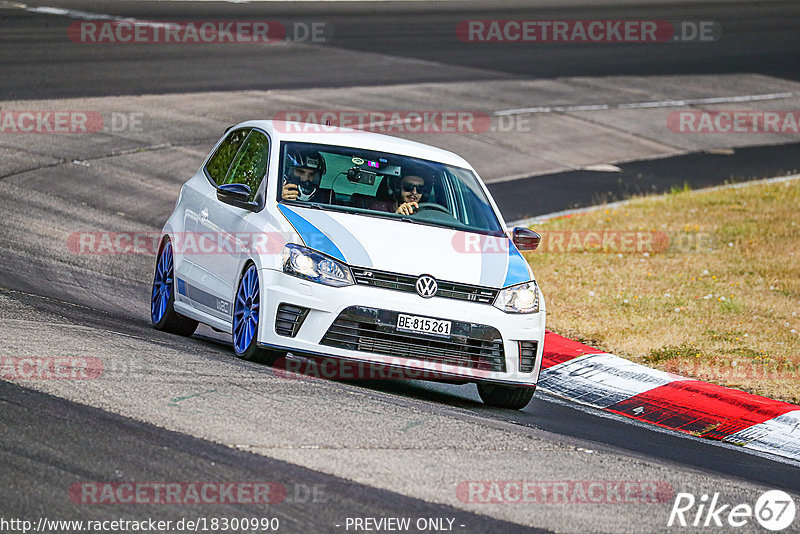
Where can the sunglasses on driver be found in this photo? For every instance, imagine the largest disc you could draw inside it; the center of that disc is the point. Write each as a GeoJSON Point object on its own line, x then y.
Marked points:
{"type": "Point", "coordinates": [421, 188]}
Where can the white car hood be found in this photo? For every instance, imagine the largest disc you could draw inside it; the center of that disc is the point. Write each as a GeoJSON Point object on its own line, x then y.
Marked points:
{"type": "Point", "coordinates": [408, 248]}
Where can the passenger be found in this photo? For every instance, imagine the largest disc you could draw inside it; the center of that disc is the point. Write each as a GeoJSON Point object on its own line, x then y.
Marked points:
{"type": "Point", "coordinates": [304, 172]}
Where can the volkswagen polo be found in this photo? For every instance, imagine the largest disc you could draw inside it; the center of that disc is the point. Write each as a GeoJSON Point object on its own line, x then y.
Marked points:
{"type": "Point", "coordinates": [336, 243]}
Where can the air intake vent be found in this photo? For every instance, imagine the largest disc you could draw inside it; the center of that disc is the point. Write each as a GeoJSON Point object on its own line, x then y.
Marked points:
{"type": "Point", "coordinates": [372, 330]}
{"type": "Point", "coordinates": [289, 319]}
{"type": "Point", "coordinates": [527, 356]}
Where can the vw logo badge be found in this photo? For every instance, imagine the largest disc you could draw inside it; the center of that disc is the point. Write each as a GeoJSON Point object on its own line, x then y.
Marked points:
{"type": "Point", "coordinates": [426, 286]}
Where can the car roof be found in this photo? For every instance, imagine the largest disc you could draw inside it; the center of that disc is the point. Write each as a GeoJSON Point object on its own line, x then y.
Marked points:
{"type": "Point", "coordinates": [334, 135]}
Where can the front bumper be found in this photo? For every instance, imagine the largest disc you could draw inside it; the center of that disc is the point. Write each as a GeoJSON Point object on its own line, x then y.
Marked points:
{"type": "Point", "coordinates": [357, 323]}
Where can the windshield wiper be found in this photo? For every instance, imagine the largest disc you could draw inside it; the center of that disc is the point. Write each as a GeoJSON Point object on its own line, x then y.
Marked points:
{"type": "Point", "coordinates": [303, 204]}
{"type": "Point", "coordinates": [323, 207]}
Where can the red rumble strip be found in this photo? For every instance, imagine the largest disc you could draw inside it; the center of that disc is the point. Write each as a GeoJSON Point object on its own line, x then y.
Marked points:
{"type": "Point", "coordinates": [583, 374]}
{"type": "Point", "coordinates": [703, 409]}
{"type": "Point", "coordinates": [558, 349]}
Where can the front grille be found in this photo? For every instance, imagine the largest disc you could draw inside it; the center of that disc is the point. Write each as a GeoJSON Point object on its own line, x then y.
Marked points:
{"type": "Point", "coordinates": [527, 356]}
{"type": "Point", "coordinates": [289, 319]}
{"type": "Point", "coordinates": [407, 283]}
{"type": "Point", "coordinates": [372, 330]}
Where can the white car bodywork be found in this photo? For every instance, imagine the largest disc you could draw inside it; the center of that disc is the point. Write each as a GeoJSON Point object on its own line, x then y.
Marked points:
{"type": "Point", "coordinates": [206, 282]}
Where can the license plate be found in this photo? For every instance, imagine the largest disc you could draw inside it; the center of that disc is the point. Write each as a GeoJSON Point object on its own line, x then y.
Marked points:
{"type": "Point", "coordinates": [423, 325]}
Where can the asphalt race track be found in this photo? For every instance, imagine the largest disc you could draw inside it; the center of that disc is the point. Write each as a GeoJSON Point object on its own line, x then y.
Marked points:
{"type": "Point", "coordinates": [169, 409]}
{"type": "Point", "coordinates": [759, 37]}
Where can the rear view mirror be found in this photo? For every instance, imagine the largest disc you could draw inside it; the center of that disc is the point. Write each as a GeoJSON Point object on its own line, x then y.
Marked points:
{"type": "Point", "coordinates": [358, 176]}
{"type": "Point", "coordinates": [526, 239]}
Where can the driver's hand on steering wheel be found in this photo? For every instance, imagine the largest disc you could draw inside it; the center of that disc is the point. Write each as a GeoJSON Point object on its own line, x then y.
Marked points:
{"type": "Point", "coordinates": [407, 208]}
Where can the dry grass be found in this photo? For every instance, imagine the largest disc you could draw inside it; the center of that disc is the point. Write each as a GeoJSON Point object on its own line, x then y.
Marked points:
{"type": "Point", "coordinates": [720, 303]}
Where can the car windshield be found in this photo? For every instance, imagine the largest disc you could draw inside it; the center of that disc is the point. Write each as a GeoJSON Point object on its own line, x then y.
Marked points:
{"type": "Point", "coordinates": [375, 183]}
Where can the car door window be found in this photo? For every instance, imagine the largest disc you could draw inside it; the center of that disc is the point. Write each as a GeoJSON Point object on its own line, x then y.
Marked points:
{"type": "Point", "coordinates": [250, 164]}
{"type": "Point", "coordinates": [220, 162]}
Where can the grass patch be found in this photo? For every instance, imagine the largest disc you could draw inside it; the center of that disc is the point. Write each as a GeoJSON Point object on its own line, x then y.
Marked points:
{"type": "Point", "coordinates": [708, 286]}
{"type": "Point", "coordinates": [664, 354]}
{"type": "Point", "coordinates": [674, 190]}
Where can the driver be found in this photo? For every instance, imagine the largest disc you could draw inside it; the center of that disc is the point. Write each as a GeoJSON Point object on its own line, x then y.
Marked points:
{"type": "Point", "coordinates": [413, 190]}
{"type": "Point", "coordinates": [305, 168]}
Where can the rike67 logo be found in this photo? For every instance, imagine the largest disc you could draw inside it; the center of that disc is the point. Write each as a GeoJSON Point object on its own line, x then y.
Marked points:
{"type": "Point", "coordinates": [774, 510]}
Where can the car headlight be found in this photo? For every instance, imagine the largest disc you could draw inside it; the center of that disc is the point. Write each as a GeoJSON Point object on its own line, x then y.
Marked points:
{"type": "Point", "coordinates": [522, 298]}
{"type": "Point", "coordinates": [311, 265]}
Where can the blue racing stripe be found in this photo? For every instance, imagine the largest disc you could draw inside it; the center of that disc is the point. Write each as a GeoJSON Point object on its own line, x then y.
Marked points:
{"type": "Point", "coordinates": [311, 235]}
{"type": "Point", "coordinates": [356, 254]}
{"type": "Point", "coordinates": [494, 261]}
{"type": "Point", "coordinates": [517, 272]}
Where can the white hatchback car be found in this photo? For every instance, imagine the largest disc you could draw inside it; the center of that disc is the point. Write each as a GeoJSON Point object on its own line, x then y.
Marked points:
{"type": "Point", "coordinates": [336, 243]}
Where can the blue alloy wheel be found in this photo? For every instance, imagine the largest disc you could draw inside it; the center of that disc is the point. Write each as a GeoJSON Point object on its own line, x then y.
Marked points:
{"type": "Point", "coordinates": [246, 314]}
{"type": "Point", "coordinates": [245, 311]}
{"type": "Point", "coordinates": [162, 298]}
{"type": "Point", "coordinates": [162, 284]}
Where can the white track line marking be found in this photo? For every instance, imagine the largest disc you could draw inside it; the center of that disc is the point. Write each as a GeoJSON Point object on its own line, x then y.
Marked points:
{"type": "Point", "coordinates": [81, 15]}
{"type": "Point", "coordinates": [631, 105]}
{"type": "Point", "coordinates": [652, 104]}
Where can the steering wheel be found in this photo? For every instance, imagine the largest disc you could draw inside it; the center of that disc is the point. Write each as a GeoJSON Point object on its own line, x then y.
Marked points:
{"type": "Point", "coordinates": [433, 206]}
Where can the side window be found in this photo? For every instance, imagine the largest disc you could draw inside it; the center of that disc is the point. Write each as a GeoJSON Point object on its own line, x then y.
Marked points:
{"type": "Point", "coordinates": [250, 164]}
{"type": "Point", "coordinates": [217, 166]}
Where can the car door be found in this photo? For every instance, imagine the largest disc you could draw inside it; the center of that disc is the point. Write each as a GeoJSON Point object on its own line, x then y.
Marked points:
{"type": "Point", "coordinates": [190, 203]}
{"type": "Point", "coordinates": [192, 278]}
{"type": "Point", "coordinates": [226, 231]}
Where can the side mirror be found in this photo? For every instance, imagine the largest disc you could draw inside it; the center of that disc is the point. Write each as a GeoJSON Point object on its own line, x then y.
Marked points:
{"type": "Point", "coordinates": [236, 195]}
{"type": "Point", "coordinates": [525, 239]}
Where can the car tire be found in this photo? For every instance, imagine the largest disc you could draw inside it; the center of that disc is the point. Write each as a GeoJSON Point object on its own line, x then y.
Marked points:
{"type": "Point", "coordinates": [162, 299]}
{"type": "Point", "coordinates": [247, 317]}
{"type": "Point", "coordinates": [512, 397]}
